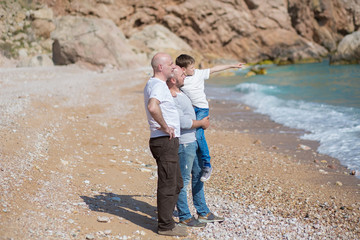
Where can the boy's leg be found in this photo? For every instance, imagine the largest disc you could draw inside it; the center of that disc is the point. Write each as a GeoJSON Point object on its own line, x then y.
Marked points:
{"type": "Point", "coordinates": [200, 137]}
{"type": "Point", "coordinates": [203, 147]}
{"type": "Point", "coordinates": [197, 187]}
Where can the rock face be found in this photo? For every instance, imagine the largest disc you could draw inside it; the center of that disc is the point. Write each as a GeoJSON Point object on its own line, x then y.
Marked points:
{"type": "Point", "coordinates": [348, 50]}
{"type": "Point", "coordinates": [93, 41]}
{"type": "Point", "coordinates": [325, 21]}
{"type": "Point", "coordinates": [285, 31]}
{"type": "Point", "coordinates": [250, 30]}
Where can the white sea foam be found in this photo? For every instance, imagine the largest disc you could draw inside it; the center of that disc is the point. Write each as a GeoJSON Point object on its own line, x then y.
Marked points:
{"type": "Point", "coordinates": [336, 128]}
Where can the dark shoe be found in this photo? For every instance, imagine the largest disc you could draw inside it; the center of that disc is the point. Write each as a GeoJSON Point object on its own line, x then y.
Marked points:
{"type": "Point", "coordinates": [206, 174]}
{"type": "Point", "coordinates": [210, 218]}
{"type": "Point", "coordinates": [176, 231]}
{"type": "Point", "coordinates": [193, 222]}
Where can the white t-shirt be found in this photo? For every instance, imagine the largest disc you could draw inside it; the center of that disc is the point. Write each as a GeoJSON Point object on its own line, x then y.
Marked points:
{"type": "Point", "coordinates": [194, 87]}
{"type": "Point", "coordinates": [156, 88]}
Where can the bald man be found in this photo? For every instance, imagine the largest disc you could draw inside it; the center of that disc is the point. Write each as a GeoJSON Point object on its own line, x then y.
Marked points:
{"type": "Point", "coordinates": [163, 119]}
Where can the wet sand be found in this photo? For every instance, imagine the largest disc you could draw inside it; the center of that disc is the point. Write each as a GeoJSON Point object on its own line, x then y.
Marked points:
{"type": "Point", "coordinates": [75, 164]}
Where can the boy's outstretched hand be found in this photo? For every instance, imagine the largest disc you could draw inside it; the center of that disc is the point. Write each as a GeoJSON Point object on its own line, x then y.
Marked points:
{"type": "Point", "coordinates": [219, 68]}
{"type": "Point", "coordinates": [239, 65]}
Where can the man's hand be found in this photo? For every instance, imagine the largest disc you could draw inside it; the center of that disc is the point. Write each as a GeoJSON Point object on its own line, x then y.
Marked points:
{"type": "Point", "coordinates": [168, 130]}
{"type": "Point", "coordinates": [205, 122]}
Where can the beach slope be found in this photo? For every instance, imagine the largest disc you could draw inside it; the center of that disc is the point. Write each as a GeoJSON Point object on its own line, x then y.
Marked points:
{"type": "Point", "coordinates": [75, 164]}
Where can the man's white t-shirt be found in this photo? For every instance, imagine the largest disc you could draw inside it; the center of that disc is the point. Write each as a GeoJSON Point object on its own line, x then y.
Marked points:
{"type": "Point", "coordinates": [194, 87]}
{"type": "Point", "coordinates": [156, 88]}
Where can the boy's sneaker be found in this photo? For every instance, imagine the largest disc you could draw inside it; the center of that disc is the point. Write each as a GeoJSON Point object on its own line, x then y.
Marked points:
{"type": "Point", "coordinates": [176, 231]}
{"type": "Point", "coordinates": [206, 174]}
{"type": "Point", "coordinates": [210, 218]}
{"type": "Point", "coordinates": [193, 222]}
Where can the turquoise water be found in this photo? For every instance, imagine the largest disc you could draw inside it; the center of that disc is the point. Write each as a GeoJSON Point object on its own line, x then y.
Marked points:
{"type": "Point", "coordinates": [321, 99]}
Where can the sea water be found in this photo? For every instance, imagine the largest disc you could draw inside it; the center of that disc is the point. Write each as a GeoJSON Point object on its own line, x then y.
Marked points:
{"type": "Point", "coordinates": [321, 99]}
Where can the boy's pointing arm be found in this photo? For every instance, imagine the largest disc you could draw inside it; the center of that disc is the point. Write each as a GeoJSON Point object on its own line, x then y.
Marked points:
{"type": "Point", "coordinates": [219, 68]}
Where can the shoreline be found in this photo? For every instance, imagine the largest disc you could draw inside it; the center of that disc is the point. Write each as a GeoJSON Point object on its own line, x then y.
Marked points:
{"type": "Point", "coordinates": [278, 138]}
{"type": "Point", "coordinates": [304, 184]}
{"type": "Point", "coordinates": [91, 173]}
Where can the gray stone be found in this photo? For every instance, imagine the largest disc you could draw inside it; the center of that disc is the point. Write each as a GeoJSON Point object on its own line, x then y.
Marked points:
{"type": "Point", "coordinates": [96, 42]}
{"type": "Point", "coordinates": [348, 50]}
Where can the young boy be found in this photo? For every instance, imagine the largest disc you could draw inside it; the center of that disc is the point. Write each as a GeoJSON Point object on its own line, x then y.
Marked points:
{"type": "Point", "coordinates": [194, 89]}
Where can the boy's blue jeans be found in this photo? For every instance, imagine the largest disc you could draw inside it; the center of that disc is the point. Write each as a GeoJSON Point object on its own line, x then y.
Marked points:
{"type": "Point", "coordinates": [200, 136]}
{"type": "Point", "coordinates": [190, 167]}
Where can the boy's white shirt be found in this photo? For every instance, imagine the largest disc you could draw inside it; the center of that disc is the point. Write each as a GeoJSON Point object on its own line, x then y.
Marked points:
{"type": "Point", "coordinates": [194, 87]}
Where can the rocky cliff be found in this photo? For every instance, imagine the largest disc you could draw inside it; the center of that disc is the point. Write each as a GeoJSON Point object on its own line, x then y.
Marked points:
{"type": "Point", "coordinates": [212, 30]}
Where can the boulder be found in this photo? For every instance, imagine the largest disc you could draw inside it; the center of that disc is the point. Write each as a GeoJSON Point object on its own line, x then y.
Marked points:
{"type": "Point", "coordinates": [42, 23]}
{"type": "Point", "coordinates": [43, 28]}
{"type": "Point", "coordinates": [42, 60]}
{"type": "Point", "coordinates": [6, 62]}
{"type": "Point", "coordinates": [95, 42]}
{"type": "Point", "coordinates": [43, 13]}
{"type": "Point", "coordinates": [348, 50]}
{"type": "Point", "coordinates": [157, 38]}
{"type": "Point", "coordinates": [300, 51]}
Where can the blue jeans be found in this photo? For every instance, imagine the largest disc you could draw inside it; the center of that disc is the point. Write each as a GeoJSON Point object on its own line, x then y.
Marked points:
{"type": "Point", "coordinates": [200, 136]}
{"type": "Point", "coordinates": [190, 167]}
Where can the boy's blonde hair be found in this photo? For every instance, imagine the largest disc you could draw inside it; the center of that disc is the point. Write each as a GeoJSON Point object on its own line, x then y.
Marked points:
{"type": "Point", "coordinates": [184, 60]}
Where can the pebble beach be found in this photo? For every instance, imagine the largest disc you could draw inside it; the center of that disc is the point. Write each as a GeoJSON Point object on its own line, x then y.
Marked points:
{"type": "Point", "coordinates": [75, 164]}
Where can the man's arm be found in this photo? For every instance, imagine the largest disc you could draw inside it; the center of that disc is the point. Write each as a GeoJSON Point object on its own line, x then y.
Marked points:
{"type": "Point", "coordinates": [204, 123]}
{"type": "Point", "coordinates": [225, 67]}
{"type": "Point", "coordinates": [155, 111]}
{"type": "Point", "coordinates": [187, 123]}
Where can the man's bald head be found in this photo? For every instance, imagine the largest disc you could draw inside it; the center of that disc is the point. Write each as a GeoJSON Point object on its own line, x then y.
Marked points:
{"type": "Point", "coordinates": [162, 65]}
{"type": "Point", "coordinates": [158, 58]}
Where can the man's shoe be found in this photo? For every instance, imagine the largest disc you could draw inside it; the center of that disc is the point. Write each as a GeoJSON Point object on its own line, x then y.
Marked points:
{"type": "Point", "coordinates": [206, 174]}
{"type": "Point", "coordinates": [193, 222]}
{"type": "Point", "coordinates": [210, 218]}
{"type": "Point", "coordinates": [176, 231]}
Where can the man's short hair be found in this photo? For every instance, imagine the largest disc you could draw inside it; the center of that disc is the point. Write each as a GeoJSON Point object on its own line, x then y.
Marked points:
{"type": "Point", "coordinates": [184, 60]}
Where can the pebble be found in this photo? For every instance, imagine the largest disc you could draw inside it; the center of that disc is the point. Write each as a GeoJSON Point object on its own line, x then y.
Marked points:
{"type": "Point", "coordinates": [145, 170]}
{"type": "Point", "coordinates": [338, 183]}
{"type": "Point", "coordinates": [90, 236]}
{"type": "Point", "coordinates": [257, 142]}
{"type": "Point", "coordinates": [116, 199]}
{"type": "Point", "coordinates": [103, 219]}
{"type": "Point", "coordinates": [331, 166]}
